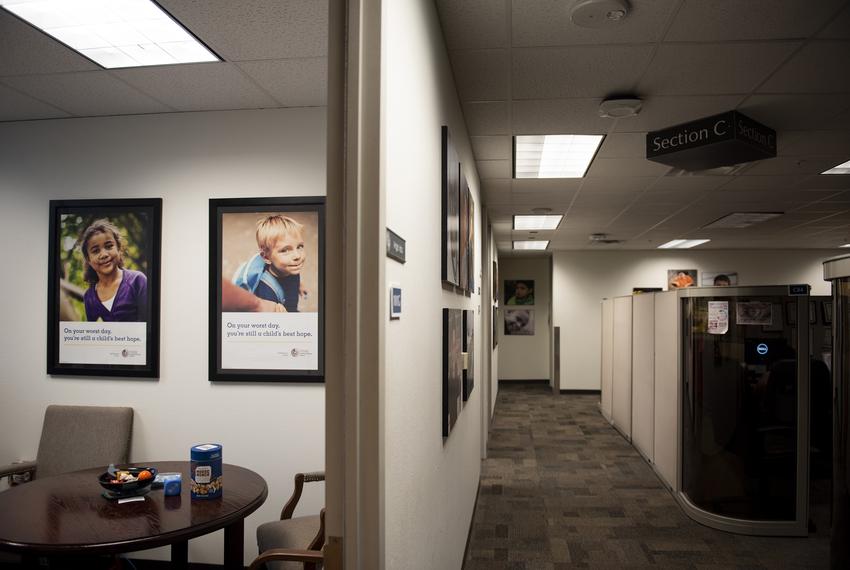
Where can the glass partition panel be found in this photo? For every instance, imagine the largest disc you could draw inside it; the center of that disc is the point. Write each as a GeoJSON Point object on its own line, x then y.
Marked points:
{"type": "Point", "coordinates": [740, 405]}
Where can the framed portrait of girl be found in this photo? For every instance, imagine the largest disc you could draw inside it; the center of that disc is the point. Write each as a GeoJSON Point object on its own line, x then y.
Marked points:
{"type": "Point", "coordinates": [104, 287]}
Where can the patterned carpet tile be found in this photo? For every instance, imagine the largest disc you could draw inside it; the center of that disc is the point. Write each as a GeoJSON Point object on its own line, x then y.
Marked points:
{"type": "Point", "coordinates": [562, 489]}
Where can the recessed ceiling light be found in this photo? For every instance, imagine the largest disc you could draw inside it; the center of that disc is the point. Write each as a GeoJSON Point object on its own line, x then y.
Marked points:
{"type": "Point", "coordinates": [739, 220]}
{"type": "Point", "coordinates": [118, 33]}
{"type": "Point", "coordinates": [843, 168]}
{"type": "Point", "coordinates": [537, 222]}
{"type": "Point", "coordinates": [554, 156]}
{"type": "Point", "coordinates": [531, 244]}
{"type": "Point", "coordinates": [683, 243]}
{"type": "Point", "coordinates": [599, 13]}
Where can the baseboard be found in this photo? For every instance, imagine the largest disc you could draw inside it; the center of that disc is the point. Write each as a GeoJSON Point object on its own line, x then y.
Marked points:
{"type": "Point", "coordinates": [529, 381]}
{"type": "Point", "coordinates": [581, 392]}
{"type": "Point", "coordinates": [142, 564]}
{"type": "Point", "coordinates": [471, 522]}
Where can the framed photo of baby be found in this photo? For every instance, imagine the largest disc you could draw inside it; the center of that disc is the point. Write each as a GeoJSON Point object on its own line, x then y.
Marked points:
{"type": "Point", "coordinates": [104, 287]}
{"type": "Point", "coordinates": [267, 289]}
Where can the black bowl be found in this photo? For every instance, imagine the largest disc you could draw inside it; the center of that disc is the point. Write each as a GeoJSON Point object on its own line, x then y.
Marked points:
{"type": "Point", "coordinates": [128, 487]}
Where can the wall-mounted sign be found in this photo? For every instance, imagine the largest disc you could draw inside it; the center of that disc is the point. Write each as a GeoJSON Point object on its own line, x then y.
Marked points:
{"type": "Point", "coordinates": [395, 301]}
{"type": "Point", "coordinates": [798, 290]}
{"type": "Point", "coordinates": [722, 140]}
{"type": "Point", "coordinates": [396, 246]}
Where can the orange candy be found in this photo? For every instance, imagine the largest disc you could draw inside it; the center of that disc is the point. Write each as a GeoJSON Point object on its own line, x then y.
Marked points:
{"type": "Point", "coordinates": [145, 475]}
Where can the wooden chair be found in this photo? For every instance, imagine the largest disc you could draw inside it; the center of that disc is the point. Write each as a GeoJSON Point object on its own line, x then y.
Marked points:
{"type": "Point", "coordinates": [77, 437]}
{"type": "Point", "coordinates": [292, 543]}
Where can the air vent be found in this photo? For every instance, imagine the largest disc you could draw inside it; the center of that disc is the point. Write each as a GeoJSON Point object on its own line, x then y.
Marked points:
{"type": "Point", "coordinates": [603, 239]}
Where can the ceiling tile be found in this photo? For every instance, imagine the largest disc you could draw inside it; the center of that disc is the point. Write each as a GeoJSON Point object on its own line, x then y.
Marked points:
{"type": "Point", "coordinates": [256, 29]}
{"type": "Point", "coordinates": [553, 185]}
{"type": "Point", "coordinates": [662, 112]}
{"type": "Point", "coordinates": [802, 143]}
{"type": "Point", "coordinates": [688, 184]}
{"type": "Point", "coordinates": [623, 145]}
{"type": "Point", "coordinates": [616, 184]}
{"type": "Point", "coordinates": [493, 168]}
{"type": "Point", "coordinates": [15, 106]}
{"type": "Point", "coordinates": [474, 23]}
{"type": "Point", "coordinates": [87, 93]}
{"type": "Point", "coordinates": [701, 69]}
{"type": "Point", "coordinates": [798, 112]}
{"type": "Point", "coordinates": [292, 82]}
{"type": "Point", "coordinates": [26, 50]}
{"type": "Point", "coordinates": [559, 116]}
{"type": "Point", "coordinates": [481, 75]}
{"type": "Point", "coordinates": [545, 73]}
{"type": "Point", "coordinates": [496, 191]}
{"type": "Point", "coordinates": [603, 167]}
{"type": "Point", "coordinates": [825, 182]}
{"type": "Point", "coordinates": [839, 28]}
{"type": "Point", "coordinates": [492, 147]}
{"type": "Point", "coordinates": [547, 23]}
{"type": "Point", "coordinates": [487, 117]}
{"type": "Point", "coordinates": [792, 165]}
{"type": "Point", "coordinates": [721, 20]}
{"type": "Point", "coordinates": [820, 67]}
{"type": "Point", "coordinates": [763, 182]}
{"type": "Point", "coordinates": [202, 86]}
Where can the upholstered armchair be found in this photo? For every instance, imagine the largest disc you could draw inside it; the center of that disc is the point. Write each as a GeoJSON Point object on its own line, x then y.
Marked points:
{"type": "Point", "coordinates": [78, 437]}
{"type": "Point", "coordinates": [292, 543]}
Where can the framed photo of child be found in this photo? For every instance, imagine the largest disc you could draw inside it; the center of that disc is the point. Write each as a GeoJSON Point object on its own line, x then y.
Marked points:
{"type": "Point", "coordinates": [104, 287]}
{"type": "Point", "coordinates": [267, 289]}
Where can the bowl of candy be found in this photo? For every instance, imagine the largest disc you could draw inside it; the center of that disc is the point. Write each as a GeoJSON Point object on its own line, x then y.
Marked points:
{"type": "Point", "coordinates": [127, 480]}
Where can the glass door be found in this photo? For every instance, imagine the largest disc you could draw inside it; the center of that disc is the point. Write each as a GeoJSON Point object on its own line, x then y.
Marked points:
{"type": "Point", "coordinates": [744, 409]}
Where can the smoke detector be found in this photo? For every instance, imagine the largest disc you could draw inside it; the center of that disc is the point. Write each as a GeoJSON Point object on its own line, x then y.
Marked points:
{"type": "Point", "coordinates": [599, 13]}
{"type": "Point", "coordinates": [620, 108]}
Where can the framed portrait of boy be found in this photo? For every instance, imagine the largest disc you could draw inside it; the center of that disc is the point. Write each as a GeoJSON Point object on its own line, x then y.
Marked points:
{"type": "Point", "coordinates": [267, 259]}
{"type": "Point", "coordinates": [104, 287]}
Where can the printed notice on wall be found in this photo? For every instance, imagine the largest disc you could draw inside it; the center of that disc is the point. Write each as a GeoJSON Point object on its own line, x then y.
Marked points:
{"type": "Point", "coordinates": [102, 343]}
{"type": "Point", "coordinates": [718, 317]}
{"type": "Point", "coordinates": [270, 340]}
{"type": "Point", "coordinates": [754, 313]}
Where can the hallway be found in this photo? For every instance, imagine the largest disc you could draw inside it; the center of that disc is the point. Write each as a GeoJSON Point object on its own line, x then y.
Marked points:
{"type": "Point", "coordinates": [562, 489]}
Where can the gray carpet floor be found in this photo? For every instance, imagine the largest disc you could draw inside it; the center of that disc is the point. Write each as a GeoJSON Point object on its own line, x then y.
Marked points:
{"type": "Point", "coordinates": [562, 489]}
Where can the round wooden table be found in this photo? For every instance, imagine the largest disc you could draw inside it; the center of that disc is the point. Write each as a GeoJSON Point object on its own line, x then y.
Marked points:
{"type": "Point", "coordinates": [67, 515]}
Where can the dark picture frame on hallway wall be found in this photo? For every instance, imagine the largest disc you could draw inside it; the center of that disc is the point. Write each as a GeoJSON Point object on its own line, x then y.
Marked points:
{"type": "Point", "coordinates": [519, 292]}
{"type": "Point", "coordinates": [463, 237]}
{"type": "Point", "coordinates": [469, 349]}
{"type": "Point", "coordinates": [452, 368]}
{"type": "Point", "coordinates": [470, 238]}
{"type": "Point", "coordinates": [267, 298]}
{"type": "Point", "coordinates": [450, 219]}
{"type": "Point", "coordinates": [519, 322]}
{"type": "Point", "coordinates": [104, 287]}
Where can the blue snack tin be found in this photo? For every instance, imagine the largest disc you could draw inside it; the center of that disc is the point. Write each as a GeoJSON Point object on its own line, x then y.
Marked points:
{"type": "Point", "coordinates": [205, 471]}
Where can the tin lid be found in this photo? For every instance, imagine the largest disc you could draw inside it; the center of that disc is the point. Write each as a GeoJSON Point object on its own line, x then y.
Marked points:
{"type": "Point", "coordinates": [206, 451]}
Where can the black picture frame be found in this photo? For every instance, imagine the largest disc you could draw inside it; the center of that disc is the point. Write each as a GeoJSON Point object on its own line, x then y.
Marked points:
{"type": "Point", "coordinates": [81, 350]}
{"type": "Point", "coordinates": [452, 381]}
{"type": "Point", "coordinates": [295, 343]}
{"type": "Point", "coordinates": [469, 349]}
{"type": "Point", "coordinates": [813, 313]}
{"type": "Point", "coordinates": [450, 218]}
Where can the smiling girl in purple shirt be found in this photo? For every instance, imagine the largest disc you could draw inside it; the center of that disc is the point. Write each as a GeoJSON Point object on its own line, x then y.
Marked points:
{"type": "Point", "coordinates": [114, 293]}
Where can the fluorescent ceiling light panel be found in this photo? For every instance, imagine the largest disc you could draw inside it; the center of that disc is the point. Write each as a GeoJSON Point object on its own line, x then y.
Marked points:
{"type": "Point", "coordinates": [114, 33]}
{"type": "Point", "coordinates": [738, 220]}
{"type": "Point", "coordinates": [554, 156]}
{"type": "Point", "coordinates": [843, 168]}
{"type": "Point", "coordinates": [537, 222]}
{"type": "Point", "coordinates": [531, 244]}
{"type": "Point", "coordinates": [845, 245]}
{"type": "Point", "coordinates": [683, 243]}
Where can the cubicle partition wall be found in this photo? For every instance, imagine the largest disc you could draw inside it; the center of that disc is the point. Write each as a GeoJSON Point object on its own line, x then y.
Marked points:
{"type": "Point", "coordinates": [622, 366]}
{"type": "Point", "coordinates": [666, 388]}
{"type": "Point", "coordinates": [643, 374]}
{"type": "Point", "coordinates": [708, 386]}
{"type": "Point", "coordinates": [607, 401]}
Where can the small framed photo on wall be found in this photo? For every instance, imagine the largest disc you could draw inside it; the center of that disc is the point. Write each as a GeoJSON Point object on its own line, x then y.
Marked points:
{"type": "Point", "coordinates": [267, 289]}
{"type": "Point", "coordinates": [104, 287]}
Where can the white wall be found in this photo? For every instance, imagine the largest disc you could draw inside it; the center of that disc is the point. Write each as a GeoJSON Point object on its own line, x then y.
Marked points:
{"type": "Point", "coordinates": [430, 484]}
{"type": "Point", "coordinates": [526, 357]}
{"type": "Point", "coordinates": [274, 429]}
{"type": "Point", "coordinates": [582, 279]}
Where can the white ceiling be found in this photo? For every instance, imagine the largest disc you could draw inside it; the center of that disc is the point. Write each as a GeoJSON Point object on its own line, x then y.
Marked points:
{"type": "Point", "coordinates": [522, 67]}
{"type": "Point", "coordinates": [274, 56]}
